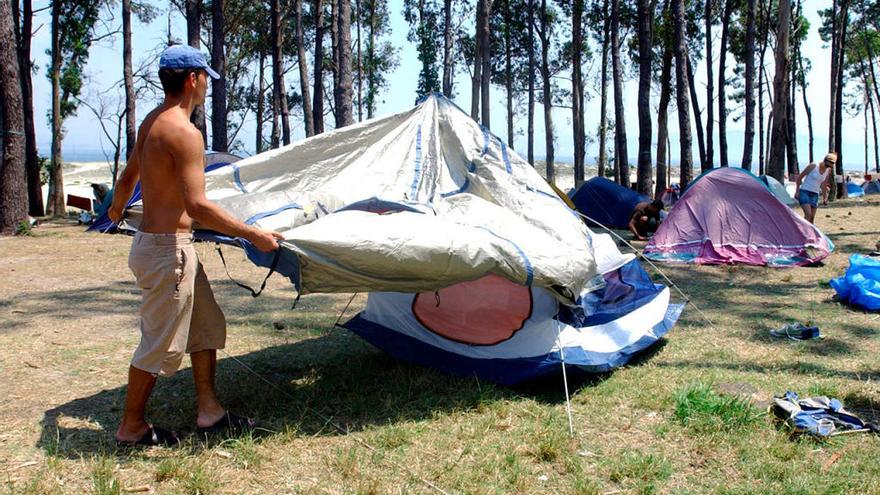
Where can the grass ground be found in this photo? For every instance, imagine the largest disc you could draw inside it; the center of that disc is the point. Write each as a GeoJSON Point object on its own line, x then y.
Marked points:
{"type": "Point", "coordinates": [685, 418]}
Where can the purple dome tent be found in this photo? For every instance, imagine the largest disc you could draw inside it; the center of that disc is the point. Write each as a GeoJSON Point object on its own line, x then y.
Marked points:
{"type": "Point", "coordinates": [727, 216]}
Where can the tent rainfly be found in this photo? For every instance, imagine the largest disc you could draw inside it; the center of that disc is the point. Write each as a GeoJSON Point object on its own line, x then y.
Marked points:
{"type": "Point", "coordinates": [474, 265]}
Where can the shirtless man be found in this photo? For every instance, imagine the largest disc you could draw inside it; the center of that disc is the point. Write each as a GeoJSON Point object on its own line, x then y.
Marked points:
{"type": "Point", "coordinates": [640, 218]}
{"type": "Point", "coordinates": [178, 310]}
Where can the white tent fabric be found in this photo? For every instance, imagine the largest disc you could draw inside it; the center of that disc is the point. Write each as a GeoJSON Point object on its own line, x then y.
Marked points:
{"type": "Point", "coordinates": [464, 206]}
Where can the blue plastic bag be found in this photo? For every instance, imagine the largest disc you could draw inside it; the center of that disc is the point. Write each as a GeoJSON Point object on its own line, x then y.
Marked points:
{"type": "Point", "coordinates": [860, 285]}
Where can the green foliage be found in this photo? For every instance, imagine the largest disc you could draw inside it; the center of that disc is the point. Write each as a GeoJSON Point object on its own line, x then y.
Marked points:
{"type": "Point", "coordinates": [23, 228]}
{"type": "Point", "coordinates": [379, 57]}
{"type": "Point", "coordinates": [703, 410]}
{"type": "Point", "coordinates": [423, 17]}
{"type": "Point", "coordinates": [76, 29]}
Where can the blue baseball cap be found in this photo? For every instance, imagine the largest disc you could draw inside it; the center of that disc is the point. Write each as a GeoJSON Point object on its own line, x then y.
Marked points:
{"type": "Point", "coordinates": [185, 57]}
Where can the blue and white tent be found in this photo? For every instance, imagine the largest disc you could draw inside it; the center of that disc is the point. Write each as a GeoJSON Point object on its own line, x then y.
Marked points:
{"type": "Point", "coordinates": [853, 190]}
{"type": "Point", "coordinates": [473, 264]}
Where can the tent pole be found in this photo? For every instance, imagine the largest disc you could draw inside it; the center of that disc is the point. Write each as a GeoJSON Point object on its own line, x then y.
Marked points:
{"type": "Point", "coordinates": [564, 375]}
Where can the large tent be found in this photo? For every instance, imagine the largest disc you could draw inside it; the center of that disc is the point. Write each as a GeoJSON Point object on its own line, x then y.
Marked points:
{"type": "Point", "coordinates": [727, 215]}
{"type": "Point", "coordinates": [871, 186]}
{"type": "Point", "coordinates": [473, 264]}
{"type": "Point", "coordinates": [606, 202]}
{"type": "Point", "coordinates": [778, 190]}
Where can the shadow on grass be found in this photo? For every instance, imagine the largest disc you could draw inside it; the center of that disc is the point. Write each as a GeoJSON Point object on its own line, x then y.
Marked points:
{"type": "Point", "coordinates": [335, 377]}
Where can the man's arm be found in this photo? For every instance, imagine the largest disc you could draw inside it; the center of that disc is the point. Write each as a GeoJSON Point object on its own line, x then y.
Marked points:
{"type": "Point", "coordinates": [633, 229]}
{"type": "Point", "coordinates": [189, 168]}
{"type": "Point", "coordinates": [125, 184]}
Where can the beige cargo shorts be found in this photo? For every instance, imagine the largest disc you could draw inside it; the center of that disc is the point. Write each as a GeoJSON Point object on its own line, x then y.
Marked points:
{"type": "Point", "coordinates": [178, 310]}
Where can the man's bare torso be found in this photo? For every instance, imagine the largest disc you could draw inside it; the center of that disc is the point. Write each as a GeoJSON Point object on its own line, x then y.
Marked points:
{"type": "Point", "coordinates": [164, 210]}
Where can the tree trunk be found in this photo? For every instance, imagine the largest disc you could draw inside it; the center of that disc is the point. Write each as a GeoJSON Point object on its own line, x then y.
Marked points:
{"type": "Point", "coordinates": [698, 115]}
{"type": "Point", "coordinates": [870, 52]}
{"type": "Point", "coordinates": [486, 73]}
{"type": "Point", "coordinates": [31, 159]}
{"type": "Point", "coordinates": [476, 79]}
{"type": "Point", "coordinates": [874, 128]}
{"type": "Point", "coordinates": [791, 129]}
{"type": "Point", "coordinates": [261, 111]}
{"type": "Point", "coordinates": [710, 89]}
{"type": "Point", "coordinates": [193, 39]}
{"type": "Point", "coordinates": [344, 110]}
{"type": "Point", "coordinates": [530, 131]}
{"type": "Point", "coordinates": [662, 120]}
{"type": "Point", "coordinates": [803, 84]}
{"type": "Point", "coordinates": [681, 92]}
{"type": "Point", "coordinates": [722, 87]}
{"type": "Point", "coordinates": [308, 118]}
{"type": "Point", "coordinates": [870, 103]}
{"type": "Point", "coordinates": [865, 113]}
{"type": "Point", "coordinates": [55, 206]}
{"type": "Point", "coordinates": [838, 115]}
{"type": "Point", "coordinates": [833, 86]}
{"type": "Point", "coordinates": [13, 180]}
{"type": "Point", "coordinates": [761, 117]}
{"type": "Point", "coordinates": [577, 97]}
{"type": "Point", "coordinates": [547, 90]}
{"type": "Point", "coordinates": [278, 91]}
{"type": "Point", "coordinates": [643, 170]}
{"type": "Point", "coordinates": [371, 55]}
{"type": "Point", "coordinates": [603, 105]}
{"type": "Point", "coordinates": [749, 140]}
{"type": "Point", "coordinates": [448, 61]}
{"type": "Point", "coordinates": [219, 139]}
{"type": "Point", "coordinates": [318, 98]}
{"type": "Point", "coordinates": [128, 76]}
{"type": "Point", "coordinates": [621, 161]}
{"type": "Point", "coordinates": [360, 65]}
{"type": "Point", "coordinates": [334, 56]}
{"type": "Point", "coordinates": [508, 74]}
{"type": "Point", "coordinates": [776, 163]}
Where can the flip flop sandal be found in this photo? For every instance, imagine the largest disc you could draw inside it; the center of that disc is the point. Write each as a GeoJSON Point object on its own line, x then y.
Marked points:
{"type": "Point", "coordinates": [153, 437]}
{"type": "Point", "coordinates": [230, 424]}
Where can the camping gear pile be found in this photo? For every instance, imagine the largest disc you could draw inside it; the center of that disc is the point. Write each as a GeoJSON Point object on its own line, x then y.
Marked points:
{"type": "Point", "coordinates": [474, 264]}
{"type": "Point", "coordinates": [727, 215]}
{"type": "Point", "coordinates": [860, 285]}
{"type": "Point", "coordinates": [818, 416]}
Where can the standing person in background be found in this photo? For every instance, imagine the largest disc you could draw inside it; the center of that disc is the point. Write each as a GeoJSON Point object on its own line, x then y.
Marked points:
{"type": "Point", "coordinates": [814, 182]}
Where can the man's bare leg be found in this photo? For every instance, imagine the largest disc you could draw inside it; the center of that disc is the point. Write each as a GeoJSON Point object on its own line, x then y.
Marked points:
{"type": "Point", "coordinates": [204, 365]}
{"type": "Point", "coordinates": [133, 425]}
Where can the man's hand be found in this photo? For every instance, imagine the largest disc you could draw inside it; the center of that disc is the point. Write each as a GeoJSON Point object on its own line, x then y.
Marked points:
{"type": "Point", "coordinates": [265, 240]}
{"type": "Point", "coordinates": [116, 214]}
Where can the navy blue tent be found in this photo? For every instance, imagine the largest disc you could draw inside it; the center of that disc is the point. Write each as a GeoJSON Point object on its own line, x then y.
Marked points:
{"type": "Point", "coordinates": [213, 161]}
{"type": "Point", "coordinates": [606, 202]}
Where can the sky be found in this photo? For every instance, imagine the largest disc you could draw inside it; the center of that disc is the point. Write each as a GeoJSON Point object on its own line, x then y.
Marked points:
{"type": "Point", "coordinates": [85, 142]}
